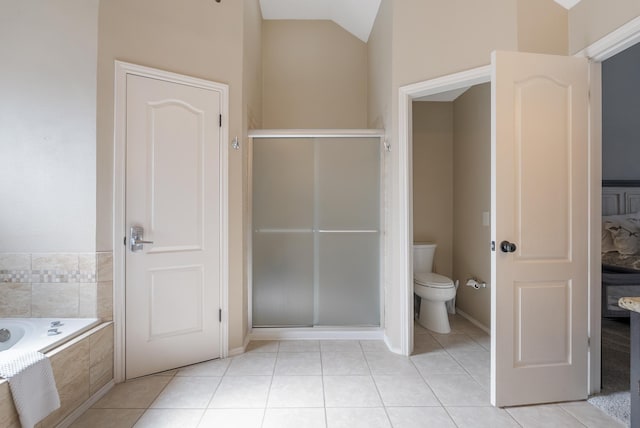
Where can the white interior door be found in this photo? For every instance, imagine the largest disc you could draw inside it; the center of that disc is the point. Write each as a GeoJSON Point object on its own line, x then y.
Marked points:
{"type": "Point", "coordinates": [539, 204]}
{"type": "Point", "coordinates": [173, 192]}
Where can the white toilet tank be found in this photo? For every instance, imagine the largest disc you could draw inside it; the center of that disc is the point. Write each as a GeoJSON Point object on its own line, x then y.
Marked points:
{"type": "Point", "coordinates": [423, 253]}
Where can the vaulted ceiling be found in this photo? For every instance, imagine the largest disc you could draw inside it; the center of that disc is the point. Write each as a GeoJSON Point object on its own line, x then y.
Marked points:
{"type": "Point", "coordinates": [567, 4]}
{"type": "Point", "coordinates": [355, 16]}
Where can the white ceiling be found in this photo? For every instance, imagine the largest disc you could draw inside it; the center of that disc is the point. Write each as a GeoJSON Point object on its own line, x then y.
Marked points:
{"type": "Point", "coordinates": [444, 97]}
{"type": "Point", "coordinates": [355, 16]}
{"type": "Point", "coordinates": [567, 4]}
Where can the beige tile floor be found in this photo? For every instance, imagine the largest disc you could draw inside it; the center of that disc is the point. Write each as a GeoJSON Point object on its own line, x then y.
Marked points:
{"type": "Point", "coordinates": [352, 384]}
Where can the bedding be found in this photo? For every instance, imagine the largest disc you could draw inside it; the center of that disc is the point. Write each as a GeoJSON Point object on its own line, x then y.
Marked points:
{"type": "Point", "coordinates": [621, 233]}
{"type": "Point", "coordinates": [615, 262]}
{"type": "Point", "coordinates": [620, 256]}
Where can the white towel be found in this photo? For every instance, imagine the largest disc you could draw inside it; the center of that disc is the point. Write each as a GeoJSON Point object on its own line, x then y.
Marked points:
{"type": "Point", "coordinates": [32, 384]}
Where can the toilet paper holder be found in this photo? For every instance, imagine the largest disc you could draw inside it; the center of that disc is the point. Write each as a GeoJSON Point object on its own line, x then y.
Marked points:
{"type": "Point", "coordinates": [476, 283]}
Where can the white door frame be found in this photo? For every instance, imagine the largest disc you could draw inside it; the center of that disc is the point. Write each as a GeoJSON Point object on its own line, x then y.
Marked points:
{"type": "Point", "coordinates": [404, 210]}
{"type": "Point", "coordinates": [122, 69]}
{"type": "Point", "coordinates": [609, 45]}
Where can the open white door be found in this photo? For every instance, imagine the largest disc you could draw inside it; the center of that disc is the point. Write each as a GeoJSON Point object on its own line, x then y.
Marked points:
{"type": "Point", "coordinates": [173, 194]}
{"type": "Point", "coordinates": [540, 210]}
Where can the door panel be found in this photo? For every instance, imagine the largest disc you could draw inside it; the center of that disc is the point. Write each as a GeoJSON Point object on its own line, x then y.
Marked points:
{"type": "Point", "coordinates": [163, 300]}
{"type": "Point", "coordinates": [539, 202]}
{"type": "Point", "coordinates": [173, 191]}
{"type": "Point", "coordinates": [283, 278]}
{"type": "Point", "coordinates": [282, 253]}
{"type": "Point", "coordinates": [348, 281]}
{"type": "Point", "coordinates": [547, 340]}
{"type": "Point", "coordinates": [541, 143]}
{"type": "Point", "coordinates": [172, 122]}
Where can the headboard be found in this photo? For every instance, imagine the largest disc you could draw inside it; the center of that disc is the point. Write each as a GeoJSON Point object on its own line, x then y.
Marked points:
{"type": "Point", "coordinates": [620, 197]}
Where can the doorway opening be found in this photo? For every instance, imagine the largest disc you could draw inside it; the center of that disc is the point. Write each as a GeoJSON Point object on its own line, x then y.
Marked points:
{"type": "Point", "coordinates": [620, 215]}
{"type": "Point", "coordinates": [451, 158]}
{"type": "Point", "coordinates": [444, 88]}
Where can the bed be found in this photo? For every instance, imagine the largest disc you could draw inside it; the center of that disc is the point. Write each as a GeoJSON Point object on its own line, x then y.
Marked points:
{"type": "Point", "coordinates": [620, 244]}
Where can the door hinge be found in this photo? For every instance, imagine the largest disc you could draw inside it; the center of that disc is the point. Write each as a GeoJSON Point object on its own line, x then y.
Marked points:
{"type": "Point", "coordinates": [220, 120]}
{"type": "Point", "coordinates": [124, 242]}
{"type": "Point", "coordinates": [220, 315]}
{"type": "Point", "coordinates": [588, 342]}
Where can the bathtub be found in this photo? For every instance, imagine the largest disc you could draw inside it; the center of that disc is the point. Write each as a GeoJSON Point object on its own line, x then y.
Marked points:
{"type": "Point", "coordinates": [81, 357]}
{"type": "Point", "coordinates": [41, 334]}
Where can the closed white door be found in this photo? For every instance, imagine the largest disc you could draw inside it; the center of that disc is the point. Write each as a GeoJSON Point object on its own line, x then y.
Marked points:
{"type": "Point", "coordinates": [173, 194]}
{"type": "Point", "coordinates": [540, 210]}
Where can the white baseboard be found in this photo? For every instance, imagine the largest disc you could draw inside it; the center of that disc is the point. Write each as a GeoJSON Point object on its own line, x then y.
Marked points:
{"type": "Point", "coordinates": [316, 333]}
{"type": "Point", "coordinates": [240, 349]}
{"type": "Point", "coordinates": [71, 418]}
{"type": "Point", "coordinates": [473, 321]}
{"type": "Point", "coordinates": [387, 342]}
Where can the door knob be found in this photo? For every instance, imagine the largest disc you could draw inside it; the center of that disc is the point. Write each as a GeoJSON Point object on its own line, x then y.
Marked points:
{"type": "Point", "coordinates": [136, 234]}
{"type": "Point", "coordinates": [507, 247]}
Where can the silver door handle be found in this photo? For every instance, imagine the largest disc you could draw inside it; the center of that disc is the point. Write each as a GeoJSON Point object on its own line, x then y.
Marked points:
{"type": "Point", "coordinates": [136, 241]}
{"type": "Point", "coordinates": [139, 241]}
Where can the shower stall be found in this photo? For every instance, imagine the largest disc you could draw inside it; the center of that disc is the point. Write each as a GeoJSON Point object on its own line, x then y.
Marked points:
{"type": "Point", "coordinates": [316, 211]}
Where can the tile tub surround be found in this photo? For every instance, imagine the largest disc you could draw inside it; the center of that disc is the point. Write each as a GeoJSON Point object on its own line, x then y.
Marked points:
{"type": "Point", "coordinates": [44, 285]}
{"type": "Point", "coordinates": [81, 367]}
{"type": "Point", "coordinates": [332, 384]}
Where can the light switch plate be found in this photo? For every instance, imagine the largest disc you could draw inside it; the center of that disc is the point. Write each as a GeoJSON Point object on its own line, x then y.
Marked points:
{"type": "Point", "coordinates": [486, 219]}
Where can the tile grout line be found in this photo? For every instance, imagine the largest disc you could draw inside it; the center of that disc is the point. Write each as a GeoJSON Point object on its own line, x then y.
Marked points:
{"type": "Point", "coordinates": [570, 414]}
{"type": "Point", "coordinates": [324, 393]}
{"type": "Point", "coordinates": [273, 373]}
{"type": "Point", "coordinates": [213, 394]}
{"type": "Point", "coordinates": [384, 406]}
{"type": "Point", "coordinates": [427, 383]}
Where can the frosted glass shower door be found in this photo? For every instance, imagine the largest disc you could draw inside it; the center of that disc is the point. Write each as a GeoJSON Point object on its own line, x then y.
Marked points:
{"type": "Point", "coordinates": [347, 214]}
{"type": "Point", "coordinates": [283, 261]}
{"type": "Point", "coordinates": [316, 233]}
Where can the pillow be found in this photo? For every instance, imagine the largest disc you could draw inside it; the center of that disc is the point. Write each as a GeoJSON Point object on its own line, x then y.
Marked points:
{"type": "Point", "coordinates": [607, 241]}
{"type": "Point", "coordinates": [625, 234]}
{"type": "Point", "coordinates": [608, 244]}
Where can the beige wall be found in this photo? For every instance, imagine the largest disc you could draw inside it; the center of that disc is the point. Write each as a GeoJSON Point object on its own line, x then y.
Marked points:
{"type": "Point", "coordinates": [590, 20]}
{"type": "Point", "coordinates": [433, 179]}
{"type": "Point", "coordinates": [472, 197]}
{"type": "Point", "coordinates": [252, 65]}
{"type": "Point", "coordinates": [314, 76]}
{"type": "Point", "coordinates": [434, 37]}
{"type": "Point", "coordinates": [252, 117]}
{"type": "Point", "coordinates": [459, 34]}
{"type": "Point", "coordinates": [379, 53]}
{"type": "Point", "coordinates": [542, 27]}
{"type": "Point", "coordinates": [48, 125]}
{"type": "Point", "coordinates": [202, 39]}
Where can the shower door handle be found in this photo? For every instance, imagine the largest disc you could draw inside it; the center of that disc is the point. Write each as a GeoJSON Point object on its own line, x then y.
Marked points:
{"type": "Point", "coordinates": [136, 241]}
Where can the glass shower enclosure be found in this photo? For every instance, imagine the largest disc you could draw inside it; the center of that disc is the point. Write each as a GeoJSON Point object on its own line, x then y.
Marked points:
{"type": "Point", "coordinates": [315, 240]}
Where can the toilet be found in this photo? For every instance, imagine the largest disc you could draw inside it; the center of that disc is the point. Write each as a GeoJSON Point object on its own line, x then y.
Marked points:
{"type": "Point", "coordinates": [434, 290]}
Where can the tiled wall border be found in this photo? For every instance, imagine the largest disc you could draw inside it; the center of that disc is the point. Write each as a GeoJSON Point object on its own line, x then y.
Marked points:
{"type": "Point", "coordinates": [46, 276]}
{"type": "Point", "coordinates": [56, 285]}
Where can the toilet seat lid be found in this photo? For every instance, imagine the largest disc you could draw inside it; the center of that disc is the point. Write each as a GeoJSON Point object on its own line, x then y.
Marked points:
{"type": "Point", "coordinates": [432, 279]}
